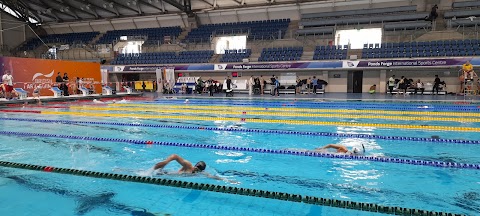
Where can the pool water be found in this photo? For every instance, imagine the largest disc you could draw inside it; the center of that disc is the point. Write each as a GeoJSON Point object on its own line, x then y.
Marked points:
{"type": "Point", "coordinates": [429, 188]}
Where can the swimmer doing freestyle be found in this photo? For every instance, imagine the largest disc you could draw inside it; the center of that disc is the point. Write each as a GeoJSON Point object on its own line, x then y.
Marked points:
{"type": "Point", "coordinates": [187, 167]}
{"type": "Point", "coordinates": [340, 149]}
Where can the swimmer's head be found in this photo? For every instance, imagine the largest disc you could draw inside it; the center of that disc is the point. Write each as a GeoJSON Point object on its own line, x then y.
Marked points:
{"type": "Point", "coordinates": [200, 166]}
{"type": "Point", "coordinates": [186, 100]}
{"type": "Point", "coordinates": [355, 150]}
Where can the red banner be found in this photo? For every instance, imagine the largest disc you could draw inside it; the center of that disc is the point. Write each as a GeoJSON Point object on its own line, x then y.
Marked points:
{"type": "Point", "coordinates": [29, 73]}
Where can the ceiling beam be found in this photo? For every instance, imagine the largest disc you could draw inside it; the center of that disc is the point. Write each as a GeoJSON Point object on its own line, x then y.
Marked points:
{"type": "Point", "coordinates": [148, 4]}
{"type": "Point", "coordinates": [138, 7]}
{"type": "Point", "coordinates": [33, 11]}
{"type": "Point", "coordinates": [73, 8]}
{"type": "Point", "coordinates": [45, 6]}
{"type": "Point", "coordinates": [175, 4]}
{"type": "Point", "coordinates": [96, 6]}
{"type": "Point", "coordinates": [208, 3]}
{"type": "Point", "coordinates": [124, 7]}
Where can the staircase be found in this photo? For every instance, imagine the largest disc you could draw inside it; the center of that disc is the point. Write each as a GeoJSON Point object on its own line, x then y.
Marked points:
{"type": "Point", "coordinates": [95, 39]}
{"type": "Point", "coordinates": [215, 58]}
{"type": "Point", "coordinates": [183, 35]}
{"type": "Point", "coordinates": [357, 52]}
{"type": "Point", "coordinates": [440, 35]}
{"type": "Point", "coordinates": [307, 56]}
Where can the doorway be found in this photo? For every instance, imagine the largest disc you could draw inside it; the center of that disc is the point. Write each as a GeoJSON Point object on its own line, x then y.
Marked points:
{"type": "Point", "coordinates": [355, 81]}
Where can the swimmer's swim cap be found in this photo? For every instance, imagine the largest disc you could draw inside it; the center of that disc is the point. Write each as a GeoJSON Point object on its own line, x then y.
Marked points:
{"type": "Point", "coordinates": [355, 150]}
{"type": "Point", "coordinates": [201, 165]}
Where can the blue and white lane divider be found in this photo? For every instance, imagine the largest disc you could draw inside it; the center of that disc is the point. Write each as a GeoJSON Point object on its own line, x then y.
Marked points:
{"type": "Point", "coordinates": [257, 150]}
{"type": "Point", "coordinates": [244, 130]}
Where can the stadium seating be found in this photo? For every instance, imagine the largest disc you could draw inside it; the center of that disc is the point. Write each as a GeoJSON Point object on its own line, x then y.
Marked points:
{"type": "Point", "coordinates": [335, 14]}
{"type": "Point", "coordinates": [235, 55]}
{"type": "Point", "coordinates": [464, 14]}
{"type": "Point", "coordinates": [422, 49]}
{"type": "Point", "coordinates": [69, 38]}
{"type": "Point", "coordinates": [153, 35]}
{"type": "Point", "coordinates": [407, 25]}
{"type": "Point", "coordinates": [330, 52]}
{"type": "Point", "coordinates": [256, 30]}
{"type": "Point", "coordinates": [281, 54]}
{"type": "Point", "coordinates": [164, 58]}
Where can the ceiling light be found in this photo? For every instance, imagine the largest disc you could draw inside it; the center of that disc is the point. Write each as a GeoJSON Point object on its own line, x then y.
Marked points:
{"type": "Point", "coordinates": [134, 2]}
{"type": "Point", "coordinates": [111, 4]}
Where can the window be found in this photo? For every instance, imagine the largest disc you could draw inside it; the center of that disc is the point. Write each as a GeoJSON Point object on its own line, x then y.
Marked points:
{"type": "Point", "coordinates": [357, 37]}
{"type": "Point", "coordinates": [230, 43]}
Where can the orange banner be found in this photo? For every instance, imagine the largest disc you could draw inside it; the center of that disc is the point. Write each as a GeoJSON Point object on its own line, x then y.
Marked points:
{"type": "Point", "coordinates": [29, 73]}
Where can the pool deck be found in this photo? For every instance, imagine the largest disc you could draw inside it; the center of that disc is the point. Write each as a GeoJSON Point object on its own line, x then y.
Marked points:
{"type": "Point", "coordinates": [299, 97]}
{"type": "Point", "coordinates": [337, 96]}
{"type": "Point", "coordinates": [31, 100]}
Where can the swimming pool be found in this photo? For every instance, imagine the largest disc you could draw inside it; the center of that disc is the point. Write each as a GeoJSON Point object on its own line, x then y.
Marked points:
{"type": "Point", "coordinates": [258, 144]}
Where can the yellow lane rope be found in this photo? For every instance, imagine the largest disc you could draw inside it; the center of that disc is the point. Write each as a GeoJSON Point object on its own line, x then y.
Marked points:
{"type": "Point", "coordinates": [276, 121]}
{"type": "Point", "coordinates": [462, 114]}
{"type": "Point", "coordinates": [283, 114]}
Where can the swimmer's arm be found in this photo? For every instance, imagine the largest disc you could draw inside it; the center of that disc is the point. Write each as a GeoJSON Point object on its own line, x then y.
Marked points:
{"type": "Point", "coordinates": [219, 178]}
{"type": "Point", "coordinates": [330, 146]}
{"type": "Point", "coordinates": [185, 164]}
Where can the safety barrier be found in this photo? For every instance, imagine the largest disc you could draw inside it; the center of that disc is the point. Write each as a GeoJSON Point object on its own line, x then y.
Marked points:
{"type": "Point", "coordinates": [260, 150]}
{"type": "Point", "coordinates": [276, 121]}
{"type": "Point", "coordinates": [282, 114]}
{"type": "Point", "coordinates": [243, 130]}
{"type": "Point", "coordinates": [317, 110]}
{"type": "Point", "coordinates": [359, 206]}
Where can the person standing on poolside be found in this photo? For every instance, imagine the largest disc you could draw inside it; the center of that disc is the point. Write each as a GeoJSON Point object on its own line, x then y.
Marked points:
{"type": "Point", "coordinates": [8, 84]}
{"type": "Point", "coordinates": [391, 84]}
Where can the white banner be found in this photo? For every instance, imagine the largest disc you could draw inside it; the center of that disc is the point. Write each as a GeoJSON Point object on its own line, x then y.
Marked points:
{"type": "Point", "coordinates": [220, 66]}
{"type": "Point", "coordinates": [350, 64]}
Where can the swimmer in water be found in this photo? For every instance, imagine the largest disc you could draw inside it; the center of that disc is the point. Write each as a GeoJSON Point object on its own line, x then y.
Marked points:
{"type": "Point", "coordinates": [187, 167]}
{"type": "Point", "coordinates": [340, 149]}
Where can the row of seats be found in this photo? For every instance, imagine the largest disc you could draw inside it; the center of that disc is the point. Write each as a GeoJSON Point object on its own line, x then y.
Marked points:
{"type": "Point", "coordinates": [453, 43]}
{"type": "Point", "coordinates": [394, 18]}
{"type": "Point", "coordinates": [152, 34]}
{"type": "Point", "coordinates": [202, 56]}
{"type": "Point", "coordinates": [235, 55]}
{"type": "Point", "coordinates": [330, 52]}
{"type": "Point", "coordinates": [281, 54]}
{"type": "Point", "coordinates": [420, 54]}
{"type": "Point", "coordinates": [265, 29]}
{"type": "Point", "coordinates": [68, 38]}
{"type": "Point", "coordinates": [335, 14]}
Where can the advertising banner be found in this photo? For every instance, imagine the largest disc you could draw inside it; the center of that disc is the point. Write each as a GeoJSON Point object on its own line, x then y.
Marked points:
{"type": "Point", "coordinates": [404, 63]}
{"type": "Point", "coordinates": [29, 72]}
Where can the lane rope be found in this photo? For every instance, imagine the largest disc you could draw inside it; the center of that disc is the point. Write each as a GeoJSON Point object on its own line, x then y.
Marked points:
{"type": "Point", "coordinates": [318, 110]}
{"type": "Point", "coordinates": [359, 206]}
{"type": "Point", "coordinates": [282, 114]}
{"type": "Point", "coordinates": [258, 150]}
{"type": "Point", "coordinates": [275, 121]}
{"type": "Point", "coordinates": [243, 130]}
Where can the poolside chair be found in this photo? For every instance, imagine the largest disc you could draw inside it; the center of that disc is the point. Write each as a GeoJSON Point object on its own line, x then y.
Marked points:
{"type": "Point", "coordinates": [22, 94]}
{"type": "Point", "coordinates": [85, 91]}
{"type": "Point", "coordinates": [128, 89]}
{"type": "Point", "coordinates": [56, 92]}
{"type": "Point", "coordinates": [107, 90]}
